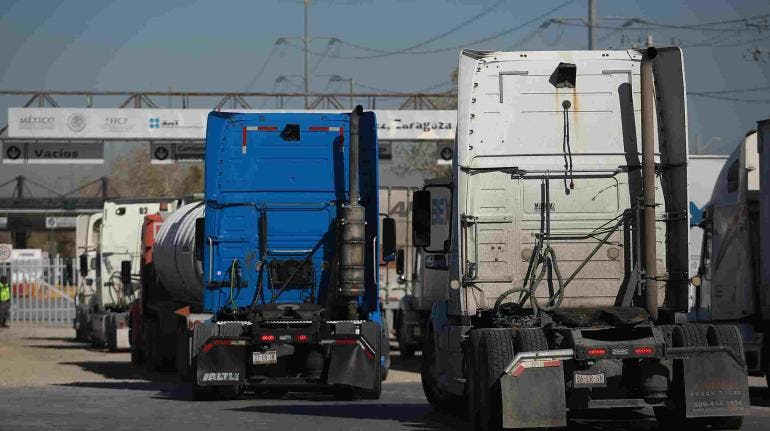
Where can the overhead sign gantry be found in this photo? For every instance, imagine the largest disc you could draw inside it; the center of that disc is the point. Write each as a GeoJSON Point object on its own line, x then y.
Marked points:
{"type": "Point", "coordinates": [76, 135]}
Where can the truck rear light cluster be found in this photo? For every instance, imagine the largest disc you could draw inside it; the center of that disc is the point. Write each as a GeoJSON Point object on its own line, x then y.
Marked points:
{"type": "Point", "coordinates": [345, 341]}
{"type": "Point", "coordinates": [596, 352]}
{"type": "Point", "coordinates": [644, 351]}
{"type": "Point", "coordinates": [301, 338]}
{"type": "Point", "coordinates": [267, 338]}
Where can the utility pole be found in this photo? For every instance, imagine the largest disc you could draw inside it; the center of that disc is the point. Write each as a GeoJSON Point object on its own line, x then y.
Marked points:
{"type": "Point", "coordinates": [591, 24]}
{"type": "Point", "coordinates": [307, 52]}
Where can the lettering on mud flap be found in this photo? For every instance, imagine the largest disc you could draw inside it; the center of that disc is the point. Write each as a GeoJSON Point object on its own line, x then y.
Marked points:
{"type": "Point", "coordinates": [221, 377]}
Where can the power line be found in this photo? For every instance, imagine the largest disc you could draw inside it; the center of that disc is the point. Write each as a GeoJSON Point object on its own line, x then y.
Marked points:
{"type": "Point", "coordinates": [448, 48]}
{"type": "Point", "coordinates": [385, 90]}
{"type": "Point", "coordinates": [262, 68]}
{"type": "Point", "coordinates": [427, 41]}
{"type": "Point", "coordinates": [728, 98]}
{"type": "Point", "coordinates": [725, 95]}
{"type": "Point", "coordinates": [737, 90]}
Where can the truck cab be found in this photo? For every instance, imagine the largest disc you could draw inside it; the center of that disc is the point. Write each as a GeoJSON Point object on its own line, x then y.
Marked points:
{"type": "Point", "coordinates": [565, 244]}
{"type": "Point", "coordinates": [727, 286]}
{"type": "Point", "coordinates": [291, 254]}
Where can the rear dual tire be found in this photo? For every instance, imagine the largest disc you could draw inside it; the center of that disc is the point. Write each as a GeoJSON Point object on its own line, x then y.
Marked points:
{"type": "Point", "coordinates": [489, 351]}
{"type": "Point", "coordinates": [698, 335]}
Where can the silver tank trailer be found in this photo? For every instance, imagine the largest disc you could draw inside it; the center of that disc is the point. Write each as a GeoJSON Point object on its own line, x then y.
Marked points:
{"type": "Point", "coordinates": [174, 254]}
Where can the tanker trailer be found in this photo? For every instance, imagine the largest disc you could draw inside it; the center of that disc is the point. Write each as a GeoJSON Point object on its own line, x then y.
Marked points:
{"type": "Point", "coordinates": [171, 287]}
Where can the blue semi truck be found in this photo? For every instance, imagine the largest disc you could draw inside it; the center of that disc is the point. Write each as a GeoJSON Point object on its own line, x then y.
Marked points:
{"type": "Point", "coordinates": [289, 247]}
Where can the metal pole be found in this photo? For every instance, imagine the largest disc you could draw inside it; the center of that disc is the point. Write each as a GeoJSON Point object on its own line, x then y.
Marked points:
{"type": "Point", "coordinates": [307, 53]}
{"type": "Point", "coordinates": [648, 179]}
{"type": "Point", "coordinates": [591, 24]}
{"type": "Point", "coordinates": [351, 94]}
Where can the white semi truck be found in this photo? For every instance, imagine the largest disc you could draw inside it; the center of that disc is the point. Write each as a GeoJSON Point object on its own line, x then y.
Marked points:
{"type": "Point", "coordinates": [109, 263]}
{"type": "Point", "coordinates": [733, 285]}
{"type": "Point", "coordinates": [565, 248]}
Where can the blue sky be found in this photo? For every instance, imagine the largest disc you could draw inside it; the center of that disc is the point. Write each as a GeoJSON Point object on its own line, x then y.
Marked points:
{"type": "Point", "coordinates": [221, 45]}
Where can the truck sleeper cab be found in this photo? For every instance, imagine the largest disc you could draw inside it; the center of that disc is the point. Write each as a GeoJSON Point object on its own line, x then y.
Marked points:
{"type": "Point", "coordinates": [290, 250]}
{"type": "Point", "coordinates": [566, 254]}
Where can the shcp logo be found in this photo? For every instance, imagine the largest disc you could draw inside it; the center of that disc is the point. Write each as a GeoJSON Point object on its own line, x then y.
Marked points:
{"type": "Point", "coordinates": [155, 123]}
{"type": "Point", "coordinates": [76, 122]}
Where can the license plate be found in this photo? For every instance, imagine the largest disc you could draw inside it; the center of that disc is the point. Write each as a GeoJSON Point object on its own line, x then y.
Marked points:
{"type": "Point", "coordinates": [263, 358]}
{"type": "Point", "coordinates": [589, 380]}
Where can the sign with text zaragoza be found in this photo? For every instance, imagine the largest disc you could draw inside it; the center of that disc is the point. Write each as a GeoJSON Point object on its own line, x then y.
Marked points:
{"type": "Point", "coordinates": [158, 124]}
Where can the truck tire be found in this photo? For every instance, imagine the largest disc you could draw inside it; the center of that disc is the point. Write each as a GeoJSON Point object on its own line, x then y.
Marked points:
{"type": "Point", "coordinates": [531, 340]}
{"type": "Point", "coordinates": [405, 349]}
{"type": "Point", "coordinates": [668, 333]}
{"type": "Point", "coordinates": [471, 351]}
{"type": "Point", "coordinates": [496, 350]}
{"type": "Point", "coordinates": [439, 399]}
{"type": "Point", "coordinates": [690, 335]}
{"type": "Point", "coordinates": [385, 344]}
{"type": "Point", "coordinates": [151, 356]}
{"type": "Point", "coordinates": [137, 356]}
{"type": "Point", "coordinates": [727, 336]}
{"type": "Point", "coordinates": [698, 335]}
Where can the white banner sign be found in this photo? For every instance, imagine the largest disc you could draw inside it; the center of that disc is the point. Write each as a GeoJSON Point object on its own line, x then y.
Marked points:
{"type": "Point", "coordinates": [159, 124]}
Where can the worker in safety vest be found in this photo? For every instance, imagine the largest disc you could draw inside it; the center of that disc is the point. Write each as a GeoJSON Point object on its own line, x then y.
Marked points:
{"type": "Point", "coordinates": [5, 301]}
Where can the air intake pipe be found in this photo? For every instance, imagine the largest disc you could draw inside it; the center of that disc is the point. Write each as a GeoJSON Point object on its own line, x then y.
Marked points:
{"type": "Point", "coordinates": [353, 226]}
{"type": "Point", "coordinates": [648, 181]}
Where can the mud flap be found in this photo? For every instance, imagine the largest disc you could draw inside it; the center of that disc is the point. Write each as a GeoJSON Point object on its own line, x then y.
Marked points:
{"type": "Point", "coordinates": [715, 384]}
{"type": "Point", "coordinates": [534, 399]}
{"type": "Point", "coordinates": [357, 365]}
{"type": "Point", "coordinates": [221, 362]}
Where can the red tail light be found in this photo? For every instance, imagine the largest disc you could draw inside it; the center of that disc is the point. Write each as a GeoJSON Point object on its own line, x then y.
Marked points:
{"type": "Point", "coordinates": [267, 338]}
{"type": "Point", "coordinates": [345, 341]}
{"type": "Point", "coordinates": [644, 351]}
{"type": "Point", "coordinates": [596, 352]}
{"type": "Point", "coordinates": [301, 338]}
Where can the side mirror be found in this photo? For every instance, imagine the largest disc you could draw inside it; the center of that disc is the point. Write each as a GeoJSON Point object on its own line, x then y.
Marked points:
{"type": "Point", "coordinates": [388, 236]}
{"type": "Point", "coordinates": [421, 221]}
{"type": "Point", "coordinates": [125, 272]}
{"type": "Point", "coordinates": [200, 236]}
{"type": "Point", "coordinates": [400, 262]}
{"type": "Point", "coordinates": [83, 263]}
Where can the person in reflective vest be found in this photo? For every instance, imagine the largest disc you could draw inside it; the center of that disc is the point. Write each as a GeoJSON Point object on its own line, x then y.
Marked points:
{"type": "Point", "coordinates": [5, 302]}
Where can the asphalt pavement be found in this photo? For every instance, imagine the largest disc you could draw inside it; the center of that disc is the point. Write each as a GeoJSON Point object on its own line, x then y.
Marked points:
{"type": "Point", "coordinates": [90, 389]}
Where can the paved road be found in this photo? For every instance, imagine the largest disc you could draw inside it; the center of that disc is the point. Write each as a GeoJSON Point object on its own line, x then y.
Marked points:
{"type": "Point", "coordinates": [147, 405]}
{"type": "Point", "coordinates": [94, 390]}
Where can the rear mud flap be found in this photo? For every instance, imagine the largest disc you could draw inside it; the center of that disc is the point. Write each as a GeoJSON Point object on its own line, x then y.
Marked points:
{"type": "Point", "coordinates": [715, 384]}
{"type": "Point", "coordinates": [534, 399]}
{"type": "Point", "coordinates": [220, 362]}
{"type": "Point", "coordinates": [357, 365]}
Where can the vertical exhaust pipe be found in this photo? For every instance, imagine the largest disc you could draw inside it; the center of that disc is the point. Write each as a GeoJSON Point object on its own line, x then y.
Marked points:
{"type": "Point", "coordinates": [352, 218]}
{"type": "Point", "coordinates": [648, 181]}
